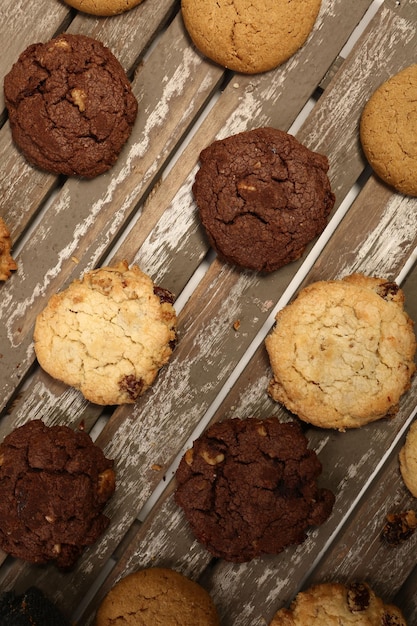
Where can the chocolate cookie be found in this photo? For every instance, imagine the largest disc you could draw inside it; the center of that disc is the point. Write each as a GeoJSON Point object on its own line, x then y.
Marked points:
{"type": "Point", "coordinates": [262, 197]}
{"type": "Point", "coordinates": [31, 608]}
{"type": "Point", "coordinates": [154, 596]}
{"type": "Point", "coordinates": [248, 487]}
{"type": "Point", "coordinates": [388, 129]}
{"type": "Point", "coordinates": [103, 7]}
{"type": "Point", "coordinates": [54, 485]}
{"type": "Point", "coordinates": [70, 105]}
{"type": "Point", "coordinates": [107, 334]}
{"type": "Point", "coordinates": [342, 353]}
{"type": "Point", "coordinates": [249, 37]}
{"type": "Point", "coordinates": [335, 604]}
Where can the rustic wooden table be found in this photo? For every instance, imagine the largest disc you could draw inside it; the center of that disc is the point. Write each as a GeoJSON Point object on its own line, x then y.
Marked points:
{"type": "Point", "coordinates": [142, 210]}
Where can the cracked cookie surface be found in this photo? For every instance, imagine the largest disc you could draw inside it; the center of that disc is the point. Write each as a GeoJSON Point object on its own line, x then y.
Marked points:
{"type": "Point", "coordinates": [54, 485]}
{"type": "Point", "coordinates": [388, 129]}
{"type": "Point", "coordinates": [157, 595]}
{"type": "Point", "coordinates": [342, 353]}
{"type": "Point", "coordinates": [107, 334]}
{"type": "Point", "coordinates": [249, 37]}
{"type": "Point", "coordinates": [336, 604]}
{"type": "Point", "coordinates": [262, 197]}
{"type": "Point", "coordinates": [70, 105]}
{"type": "Point", "coordinates": [249, 487]}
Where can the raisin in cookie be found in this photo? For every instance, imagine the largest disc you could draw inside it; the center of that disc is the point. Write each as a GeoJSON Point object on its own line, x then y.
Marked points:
{"type": "Point", "coordinates": [249, 487]}
{"type": "Point", "coordinates": [70, 105]}
{"type": "Point", "coordinates": [408, 460]}
{"type": "Point", "coordinates": [7, 263]}
{"type": "Point", "coordinates": [262, 197]}
{"type": "Point", "coordinates": [335, 604]}
{"type": "Point", "coordinates": [107, 334]}
{"type": "Point", "coordinates": [54, 485]}
{"type": "Point", "coordinates": [157, 595]}
{"type": "Point", "coordinates": [388, 128]}
{"type": "Point", "coordinates": [342, 353]}
{"type": "Point", "coordinates": [103, 7]}
{"type": "Point", "coordinates": [249, 37]}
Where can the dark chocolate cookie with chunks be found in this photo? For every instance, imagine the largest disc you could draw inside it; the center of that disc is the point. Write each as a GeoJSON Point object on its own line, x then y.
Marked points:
{"type": "Point", "coordinates": [54, 485]}
{"type": "Point", "coordinates": [70, 104]}
{"type": "Point", "coordinates": [262, 197]}
{"type": "Point", "coordinates": [249, 487]}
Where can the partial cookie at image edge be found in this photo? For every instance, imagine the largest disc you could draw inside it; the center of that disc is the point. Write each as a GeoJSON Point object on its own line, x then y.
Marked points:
{"type": "Point", "coordinates": [334, 603]}
{"type": "Point", "coordinates": [388, 128]}
{"type": "Point", "coordinates": [104, 8]}
{"type": "Point", "coordinates": [157, 595]}
{"type": "Point", "coordinates": [249, 38]}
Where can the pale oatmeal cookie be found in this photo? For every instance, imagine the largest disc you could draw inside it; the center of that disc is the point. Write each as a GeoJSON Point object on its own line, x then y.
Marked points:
{"type": "Point", "coordinates": [7, 263]}
{"type": "Point", "coordinates": [107, 334]}
{"type": "Point", "coordinates": [342, 353]}
{"type": "Point", "coordinates": [336, 604]}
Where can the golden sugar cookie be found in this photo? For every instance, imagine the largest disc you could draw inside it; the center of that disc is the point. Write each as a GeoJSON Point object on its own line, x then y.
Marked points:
{"type": "Point", "coordinates": [103, 7]}
{"type": "Point", "coordinates": [342, 353]}
{"type": "Point", "coordinates": [336, 604]}
{"type": "Point", "coordinates": [154, 596]}
{"type": "Point", "coordinates": [388, 131]}
{"type": "Point", "coordinates": [247, 36]}
{"type": "Point", "coordinates": [107, 334]}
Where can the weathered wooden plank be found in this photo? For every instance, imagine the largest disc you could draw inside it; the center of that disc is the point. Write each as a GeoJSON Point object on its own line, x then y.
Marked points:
{"type": "Point", "coordinates": [167, 241]}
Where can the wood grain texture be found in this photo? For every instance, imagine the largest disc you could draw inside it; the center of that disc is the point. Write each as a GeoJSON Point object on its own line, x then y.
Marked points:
{"type": "Point", "coordinates": [142, 210]}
